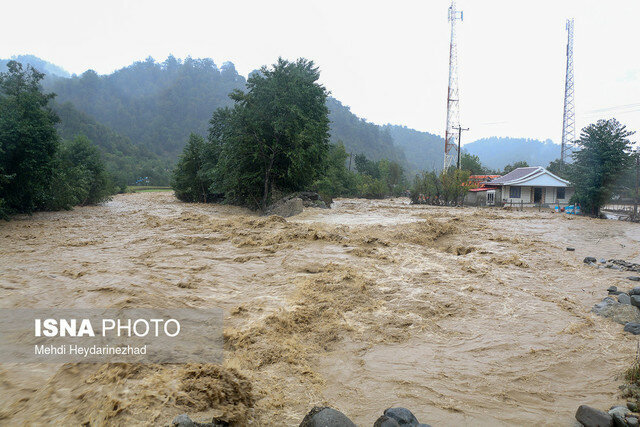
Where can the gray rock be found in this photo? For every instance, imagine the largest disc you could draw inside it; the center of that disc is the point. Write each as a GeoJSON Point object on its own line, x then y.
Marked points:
{"type": "Point", "coordinates": [589, 260]}
{"type": "Point", "coordinates": [612, 289]}
{"type": "Point", "coordinates": [619, 421]}
{"type": "Point", "coordinates": [183, 420]}
{"type": "Point", "coordinates": [385, 421]}
{"type": "Point", "coordinates": [622, 410]}
{"type": "Point", "coordinates": [326, 417]}
{"type": "Point", "coordinates": [603, 261]}
{"type": "Point", "coordinates": [634, 278]}
{"type": "Point", "coordinates": [635, 291]}
{"type": "Point", "coordinates": [591, 417]}
{"type": "Point", "coordinates": [570, 249]}
{"type": "Point", "coordinates": [403, 416]}
{"type": "Point", "coordinates": [286, 208]}
{"type": "Point", "coordinates": [624, 298]}
{"type": "Point", "coordinates": [632, 327]}
{"type": "Point", "coordinates": [618, 413]}
{"type": "Point", "coordinates": [632, 422]}
{"type": "Point", "coordinates": [635, 300]}
{"type": "Point", "coordinates": [620, 313]}
{"type": "Point", "coordinates": [632, 406]}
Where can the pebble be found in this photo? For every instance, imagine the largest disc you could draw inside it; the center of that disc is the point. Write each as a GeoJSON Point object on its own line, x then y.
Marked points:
{"type": "Point", "coordinates": [634, 278]}
{"type": "Point", "coordinates": [633, 406]}
{"type": "Point", "coordinates": [589, 260]}
{"type": "Point", "coordinates": [571, 249]}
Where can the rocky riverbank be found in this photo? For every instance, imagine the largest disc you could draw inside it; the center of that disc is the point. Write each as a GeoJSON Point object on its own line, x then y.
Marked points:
{"type": "Point", "coordinates": [323, 416]}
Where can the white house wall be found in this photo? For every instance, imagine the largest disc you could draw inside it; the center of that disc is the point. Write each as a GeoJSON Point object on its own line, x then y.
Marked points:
{"type": "Point", "coordinates": [527, 199]}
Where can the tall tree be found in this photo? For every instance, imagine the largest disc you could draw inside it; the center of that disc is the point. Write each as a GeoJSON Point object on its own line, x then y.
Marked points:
{"type": "Point", "coordinates": [275, 137]}
{"type": "Point", "coordinates": [603, 155]}
{"type": "Point", "coordinates": [28, 139]}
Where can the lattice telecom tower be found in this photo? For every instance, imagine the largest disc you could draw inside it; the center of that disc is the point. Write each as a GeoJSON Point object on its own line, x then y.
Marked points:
{"type": "Point", "coordinates": [569, 116]}
{"type": "Point", "coordinates": [453, 108]}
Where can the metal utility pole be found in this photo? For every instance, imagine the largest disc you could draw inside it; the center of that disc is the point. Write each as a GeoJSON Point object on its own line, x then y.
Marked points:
{"type": "Point", "coordinates": [569, 116]}
{"type": "Point", "coordinates": [635, 205]}
{"type": "Point", "coordinates": [453, 111]}
{"type": "Point", "coordinates": [460, 129]}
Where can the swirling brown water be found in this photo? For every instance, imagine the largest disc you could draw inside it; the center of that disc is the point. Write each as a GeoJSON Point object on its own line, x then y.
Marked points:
{"type": "Point", "coordinates": [472, 316]}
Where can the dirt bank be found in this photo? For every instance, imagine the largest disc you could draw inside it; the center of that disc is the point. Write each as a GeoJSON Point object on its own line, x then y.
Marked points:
{"type": "Point", "coordinates": [463, 315]}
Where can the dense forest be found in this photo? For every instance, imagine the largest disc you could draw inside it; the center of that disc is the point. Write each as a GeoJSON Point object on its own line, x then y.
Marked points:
{"type": "Point", "coordinates": [141, 117]}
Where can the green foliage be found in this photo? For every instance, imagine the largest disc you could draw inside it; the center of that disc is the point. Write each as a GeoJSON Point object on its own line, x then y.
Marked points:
{"type": "Point", "coordinates": [471, 163]}
{"type": "Point", "coordinates": [28, 140]}
{"type": "Point", "coordinates": [559, 168]}
{"type": "Point", "coordinates": [276, 136]}
{"type": "Point", "coordinates": [190, 179]}
{"type": "Point", "coordinates": [514, 166]}
{"type": "Point", "coordinates": [36, 171]}
{"type": "Point", "coordinates": [83, 162]}
{"type": "Point", "coordinates": [440, 189]}
{"type": "Point", "coordinates": [603, 156]}
{"type": "Point", "coordinates": [337, 180]}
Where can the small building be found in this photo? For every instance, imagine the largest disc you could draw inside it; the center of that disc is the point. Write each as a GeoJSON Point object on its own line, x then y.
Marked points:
{"type": "Point", "coordinates": [533, 186]}
{"type": "Point", "coordinates": [481, 192]}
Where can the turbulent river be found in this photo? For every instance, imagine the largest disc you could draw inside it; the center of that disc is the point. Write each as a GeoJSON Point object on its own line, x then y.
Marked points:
{"type": "Point", "coordinates": [464, 316]}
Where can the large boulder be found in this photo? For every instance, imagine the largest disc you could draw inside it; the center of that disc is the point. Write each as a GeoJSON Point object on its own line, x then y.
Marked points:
{"type": "Point", "coordinates": [620, 313]}
{"type": "Point", "coordinates": [326, 417]}
{"type": "Point", "coordinates": [286, 208]}
{"type": "Point", "coordinates": [591, 417]}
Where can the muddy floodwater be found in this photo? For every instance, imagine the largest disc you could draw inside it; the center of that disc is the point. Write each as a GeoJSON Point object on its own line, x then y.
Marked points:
{"type": "Point", "coordinates": [464, 315]}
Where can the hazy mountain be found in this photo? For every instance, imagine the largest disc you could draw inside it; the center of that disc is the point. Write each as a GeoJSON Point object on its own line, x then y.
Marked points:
{"type": "Point", "coordinates": [495, 153]}
{"type": "Point", "coordinates": [39, 64]}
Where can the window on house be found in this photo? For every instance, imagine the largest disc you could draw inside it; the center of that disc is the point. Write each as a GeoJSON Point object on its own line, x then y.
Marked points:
{"type": "Point", "coordinates": [514, 192]}
{"type": "Point", "coordinates": [560, 193]}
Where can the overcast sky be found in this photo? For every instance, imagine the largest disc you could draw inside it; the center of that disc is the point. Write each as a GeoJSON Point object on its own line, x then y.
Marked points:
{"type": "Point", "coordinates": [387, 60]}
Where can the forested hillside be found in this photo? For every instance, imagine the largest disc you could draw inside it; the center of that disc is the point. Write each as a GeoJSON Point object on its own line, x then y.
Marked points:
{"type": "Point", "coordinates": [423, 150]}
{"type": "Point", "coordinates": [141, 117]}
{"type": "Point", "coordinates": [156, 105]}
{"type": "Point", "coordinates": [495, 153]}
{"type": "Point", "coordinates": [360, 136]}
{"type": "Point", "coordinates": [125, 161]}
